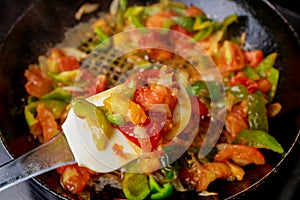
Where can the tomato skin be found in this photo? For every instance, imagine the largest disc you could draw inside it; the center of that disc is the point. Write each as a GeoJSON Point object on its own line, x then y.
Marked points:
{"type": "Point", "coordinates": [241, 78]}
{"type": "Point", "coordinates": [264, 85]}
{"type": "Point", "coordinates": [200, 109]}
{"type": "Point", "coordinates": [180, 29]}
{"type": "Point", "coordinates": [240, 154]}
{"type": "Point", "coordinates": [74, 178]}
{"type": "Point", "coordinates": [157, 20]}
{"type": "Point", "coordinates": [160, 50]}
{"type": "Point", "coordinates": [234, 123]}
{"type": "Point", "coordinates": [101, 83]}
{"type": "Point", "coordinates": [147, 96]}
{"type": "Point", "coordinates": [67, 63]}
{"type": "Point", "coordinates": [38, 83]}
{"type": "Point", "coordinates": [254, 57]}
{"type": "Point", "coordinates": [230, 58]}
{"type": "Point", "coordinates": [201, 175]}
{"type": "Point", "coordinates": [154, 131]}
{"type": "Point", "coordinates": [47, 122]}
{"type": "Point", "coordinates": [193, 11]}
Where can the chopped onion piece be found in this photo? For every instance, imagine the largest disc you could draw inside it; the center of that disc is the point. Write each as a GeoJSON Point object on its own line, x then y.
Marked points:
{"type": "Point", "coordinates": [71, 51]}
{"type": "Point", "coordinates": [86, 8]}
{"type": "Point", "coordinates": [114, 7]}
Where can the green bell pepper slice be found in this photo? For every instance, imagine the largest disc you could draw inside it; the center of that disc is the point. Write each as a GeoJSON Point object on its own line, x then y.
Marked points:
{"type": "Point", "coordinates": [57, 108]}
{"type": "Point", "coordinates": [157, 191]}
{"type": "Point", "coordinates": [258, 139]}
{"type": "Point", "coordinates": [114, 118]}
{"type": "Point", "coordinates": [66, 78]}
{"type": "Point", "coordinates": [186, 22]}
{"type": "Point", "coordinates": [257, 112]}
{"type": "Point", "coordinates": [236, 94]}
{"type": "Point", "coordinates": [250, 73]}
{"type": "Point", "coordinates": [135, 186]}
{"type": "Point", "coordinates": [58, 94]}
{"type": "Point", "coordinates": [29, 112]}
{"type": "Point", "coordinates": [96, 120]}
{"type": "Point", "coordinates": [273, 78]}
{"type": "Point", "coordinates": [266, 64]}
{"type": "Point", "coordinates": [205, 32]}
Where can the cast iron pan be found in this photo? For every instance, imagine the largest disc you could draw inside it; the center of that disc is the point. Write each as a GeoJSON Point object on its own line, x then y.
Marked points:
{"type": "Point", "coordinates": [44, 24]}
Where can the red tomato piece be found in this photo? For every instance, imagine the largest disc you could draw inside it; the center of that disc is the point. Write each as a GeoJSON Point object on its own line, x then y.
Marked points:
{"type": "Point", "coordinates": [193, 11]}
{"type": "Point", "coordinates": [254, 57]}
{"type": "Point", "coordinates": [160, 49]}
{"type": "Point", "coordinates": [154, 131]}
{"type": "Point", "coordinates": [47, 122]}
{"type": "Point", "coordinates": [67, 63]}
{"type": "Point", "coordinates": [155, 94]}
{"type": "Point", "coordinates": [74, 178]}
{"type": "Point", "coordinates": [201, 175]}
{"type": "Point", "coordinates": [180, 29]}
{"type": "Point", "coordinates": [264, 85]}
{"type": "Point", "coordinates": [157, 20]}
{"type": "Point", "coordinates": [240, 154]}
{"type": "Point", "coordinates": [200, 109]}
{"type": "Point", "coordinates": [101, 83]}
{"type": "Point", "coordinates": [38, 83]}
{"type": "Point", "coordinates": [234, 123]}
{"type": "Point", "coordinates": [230, 58]}
{"type": "Point", "coordinates": [241, 78]}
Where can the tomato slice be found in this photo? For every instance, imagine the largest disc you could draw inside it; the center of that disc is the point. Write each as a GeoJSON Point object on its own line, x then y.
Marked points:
{"type": "Point", "coordinates": [201, 175]}
{"type": "Point", "coordinates": [67, 63]}
{"type": "Point", "coordinates": [240, 154]}
{"type": "Point", "coordinates": [147, 96]}
{"type": "Point", "coordinates": [38, 83]}
{"type": "Point", "coordinates": [230, 58]}
{"type": "Point", "coordinates": [160, 44]}
{"type": "Point", "coordinates": [193, 11]}
{"type": "Point", "coordinates": [241, 78]}
{"type": "Point", "coordinates": [154, 131]}
{"type": "Point", "coordinates": [74, 178]}
{"type": "Point", "coordinates": [157, 20]}
{"type": "Point", "coordinates": [254, 57]}
{"type": "Point", "coordinates": [47, 122]}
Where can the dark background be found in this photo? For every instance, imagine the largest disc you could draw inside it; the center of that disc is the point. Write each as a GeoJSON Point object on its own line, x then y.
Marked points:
{"type": "Point", "coordinates": [284, 187]}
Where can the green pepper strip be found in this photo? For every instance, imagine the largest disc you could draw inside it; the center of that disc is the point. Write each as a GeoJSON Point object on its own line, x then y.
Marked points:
{"type": "Point", "coordinates": [135, 186]}
{"type": "Point", "coordinates": [122, 9]}
{"type": "Point", "coordinates": [96, 120]}
{"type": "Point", "coordinates": [266, 64]}
{"type": "Point", "coordinates": [258, 139]}
{"type": "Point", "coordinates": [102, 36]}
{"type": "Point", "coordinates": [204, 33]}
{"type": "Point", "coordinates": [197, 88]}
{"type": "Point", "coordinates": [186, 22]}
{"type": "Point", "coordinates": [66, 78]}
{"type": "Point", "coordinates": [57, 108]}
{"type": "Point", "coordinates": [257, 112]}
{"type": "Point", "coordinates": [273, 78]}
{"type": "Point", "coordinates": [58, 94]}
{"type": "Point", "coordinates": [239, 93]}
{"type": "Point", "coordinates": [136, 22]}
{"type": "Point", "coordinates": [159, 192]}
{"type": "Point", "coordinates": [29, 112]}
{"type": "Point", "coordinates": [250, 73]}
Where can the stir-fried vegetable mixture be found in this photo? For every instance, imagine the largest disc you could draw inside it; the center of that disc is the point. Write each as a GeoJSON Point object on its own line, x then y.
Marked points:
{"type": "Point", "coordinates": [250, 80]}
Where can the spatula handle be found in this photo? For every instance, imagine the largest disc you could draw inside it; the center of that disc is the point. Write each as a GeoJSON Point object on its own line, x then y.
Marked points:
{"type": "Point", "coordinates": [46, 157]}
